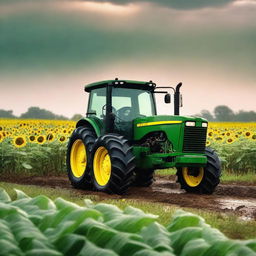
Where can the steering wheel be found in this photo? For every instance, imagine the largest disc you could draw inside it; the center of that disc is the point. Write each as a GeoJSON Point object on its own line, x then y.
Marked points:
{"type": "Point", "coordinates": [124, 113]}
{"type": "Point", "coordinates": [104, 110]}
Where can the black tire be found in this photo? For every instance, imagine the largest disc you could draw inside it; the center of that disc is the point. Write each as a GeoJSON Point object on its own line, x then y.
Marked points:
{"type": "Point", "coordinates": [122, 164]}
{"type": "Point", "coordinates": [143, 178]}
{"type": "Point", "coordinates": [88, 137]}
{"type": "Point", "coordinates": [211, 175]}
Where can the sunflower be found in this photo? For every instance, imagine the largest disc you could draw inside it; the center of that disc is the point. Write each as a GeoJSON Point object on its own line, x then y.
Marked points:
{"type": "Point", "coordinates": [62, 139]}
{"type": "Point", "coordinates": [230, 140]}
{"type": "Point", "coordinates": [19, 141]}
{"type": "Point", "coordinates": [40, 139]}
{"type": "Point", "coordinates": [210, 134]}
{"type": "Point", "coordinates": [247, 134]}
{"type": "Point", "coordinates": [32, 138]}
{"type": "Point", "coordinates": [50, 137]}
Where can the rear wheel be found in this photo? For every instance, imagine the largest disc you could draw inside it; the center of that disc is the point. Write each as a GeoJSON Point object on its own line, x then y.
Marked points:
{"type": "Point", "coordinates": [143, 178]}
{"type": "Point", "coordinates": [113, 164]}
{"type": "Point", "coordinates": [78, 157]}
{"type": "Point", "coordinates": [202, 180]}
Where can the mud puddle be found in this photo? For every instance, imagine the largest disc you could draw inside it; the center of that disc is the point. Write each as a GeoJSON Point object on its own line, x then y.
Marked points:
{"type": "Point", "coordinates": [246, 208]}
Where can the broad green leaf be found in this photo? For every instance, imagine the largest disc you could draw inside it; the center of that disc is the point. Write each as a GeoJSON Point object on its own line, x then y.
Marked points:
{"type": "Point", "coordinates": [4, 197]}
{"type": "Point", "coordinates": [62, 203]}
{"type": "Point", "coordinates": [27, 166]}
{"type": "Point", "coordinates": [184, 219]}
{"type": "Point", "coordinates": [21, 153]}
{"type": "Point", "coordinates": [97, 232]}
{"type": "Point", "coordinates": [20, 194]}
{"type": "Point", "coordinates": [9, 248]}
{"type": "Point", "coordinates": [109, 211]}
{"type": "Point", "coordinates": [53, 219]}
{"type": "Point", "coordinates": [251, 244]}
{"type": "Point", "coordinates": [7, 211]}
{"type": "Point", "coordinates": [43, 202]}
{"type": "Point", "coordinates": [79, 215]}
{"type": "Point", "coordinates": [130, 223]}
{"type": "Point", "coordinates": [157, 237]}
{"type": "Point", "coordinates": [221, 248]}
{"type": "Point", "coordinates": [62, 229]}
{"type": "Point", "coordinates": [70, 244]}
{"type": "Point", "coordinates": [43, 252]}
{"type": "Point", "coordinates": [92, 250]}
{"type": "Point", "coordinates": [241, 250]}
{"type": "Point", "coordinates": [195, 247]}
{"type": "Point", "coordinates": [148, 252]}
{"type": "Point", "coordinates": [6, 233]}
{"type": "Point", "coordinates": [30, 243]}
{"type": "Point", "coordinates": [211, 235]}
{"type": "Point", "coordinates": [88, 203]}
{"type": "Point", "coordinates": [125, 244]}
{"type": "Point", "coordinates": [181, 237]}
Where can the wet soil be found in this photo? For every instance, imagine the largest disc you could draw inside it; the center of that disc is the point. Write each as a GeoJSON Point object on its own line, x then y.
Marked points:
{"type": "Point", "coordinates": [237, 199]}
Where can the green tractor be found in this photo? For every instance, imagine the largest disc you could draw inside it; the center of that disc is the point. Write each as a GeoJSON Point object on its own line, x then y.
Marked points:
{"type": "Point", "coordinates": [122, 141]}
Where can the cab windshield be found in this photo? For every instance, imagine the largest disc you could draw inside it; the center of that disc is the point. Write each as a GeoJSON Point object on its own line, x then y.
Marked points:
{"type": "Point", "coordinates": [127, 104]}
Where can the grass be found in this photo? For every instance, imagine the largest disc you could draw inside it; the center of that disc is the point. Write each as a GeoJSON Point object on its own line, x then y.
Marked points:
{"type": "Point", "coordinates": [229, 224]}
{"type": "Point", "coordinates": [232, 177]}
{"type": "Point", "coordinates": [248, 178]}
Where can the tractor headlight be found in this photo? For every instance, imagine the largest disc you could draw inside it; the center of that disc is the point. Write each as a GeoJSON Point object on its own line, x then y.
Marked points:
{"type": "Point", "coordinates": [204, 124]}
{"type": "Point", "coordinates": [190, 123]}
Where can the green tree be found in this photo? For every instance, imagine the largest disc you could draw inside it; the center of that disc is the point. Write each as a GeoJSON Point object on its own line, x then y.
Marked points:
{"type": "Point", "coordinates": [38, 113]}
{"type": "Point", "coordinates": [224, 113]}
{"type": "Point", "coordinates": [207, 115]}
{"type": "Point", "coordinates": [245, 116]}
{"type": "Point", "coordinates": [6, 114]}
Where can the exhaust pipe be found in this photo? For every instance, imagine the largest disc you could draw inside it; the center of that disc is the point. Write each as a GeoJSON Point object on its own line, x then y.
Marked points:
{"type": "Point", "coordinates": [177, 99]}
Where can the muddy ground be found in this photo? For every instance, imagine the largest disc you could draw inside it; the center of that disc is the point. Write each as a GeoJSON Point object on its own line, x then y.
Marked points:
{"type": "Point", "coordinates": [239, 199]}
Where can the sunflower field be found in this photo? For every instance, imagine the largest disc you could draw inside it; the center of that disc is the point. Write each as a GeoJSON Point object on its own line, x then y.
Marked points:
{"type": "Point", "coordinates": [34, 146]}
{"type": "Point", "coordinates": [39, 146]}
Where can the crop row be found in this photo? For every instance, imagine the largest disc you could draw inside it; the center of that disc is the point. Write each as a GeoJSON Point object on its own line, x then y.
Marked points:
{"type": "Point", "coordinates": [40, 226]}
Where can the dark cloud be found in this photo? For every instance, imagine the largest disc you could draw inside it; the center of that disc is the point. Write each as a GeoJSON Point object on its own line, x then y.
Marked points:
{"type": "Point", "coordinates": [175, 4]}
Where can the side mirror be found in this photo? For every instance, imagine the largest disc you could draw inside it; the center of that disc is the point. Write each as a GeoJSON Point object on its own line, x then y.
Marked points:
{"type": "Point", "coordinates": [167, 98]}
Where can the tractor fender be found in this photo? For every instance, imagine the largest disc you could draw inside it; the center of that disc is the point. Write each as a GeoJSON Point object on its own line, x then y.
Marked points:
{"type": "Point", "coordinates": [90, 123]}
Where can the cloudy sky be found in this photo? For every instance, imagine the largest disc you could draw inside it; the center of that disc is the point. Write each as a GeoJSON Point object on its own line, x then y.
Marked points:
{"type": "Point", "coordinates": [50, 49]}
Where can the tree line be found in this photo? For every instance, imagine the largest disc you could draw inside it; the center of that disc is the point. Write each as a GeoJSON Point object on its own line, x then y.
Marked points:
{"type": "Point", "coordinates": [223, 113]}
{"type": "Point", "coordinates": [36, 113]}
{"type": "Point", "coordinates": [220, 114]}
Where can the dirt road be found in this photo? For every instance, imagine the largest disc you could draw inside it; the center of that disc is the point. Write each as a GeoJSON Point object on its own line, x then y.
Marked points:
{"type": "Point", "coordinates": [239, 199]}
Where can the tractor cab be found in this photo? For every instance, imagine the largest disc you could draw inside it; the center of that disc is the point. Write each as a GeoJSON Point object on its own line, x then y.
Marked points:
{"type": "Point", "coordinates": [117, 103]}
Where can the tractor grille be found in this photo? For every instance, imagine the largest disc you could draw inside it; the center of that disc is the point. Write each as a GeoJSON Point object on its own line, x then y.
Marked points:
{"type": "Point", "coordinates": [194, 139]}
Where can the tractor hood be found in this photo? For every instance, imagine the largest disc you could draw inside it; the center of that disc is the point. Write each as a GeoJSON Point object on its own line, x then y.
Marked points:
{"type": "Point", "coordinates": [172, 126]}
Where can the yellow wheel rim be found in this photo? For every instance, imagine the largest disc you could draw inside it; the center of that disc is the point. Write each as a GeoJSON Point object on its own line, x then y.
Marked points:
{"type": "Point", "coordinates": [192, 180]}
{"type": "Point", "coordinates": [78, 158]}
{"type": "Point", "coordinates": [102, 166]}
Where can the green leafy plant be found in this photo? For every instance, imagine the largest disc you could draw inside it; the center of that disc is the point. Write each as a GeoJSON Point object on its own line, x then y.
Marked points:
{"type": "Point", "coordinates": [40, 226]}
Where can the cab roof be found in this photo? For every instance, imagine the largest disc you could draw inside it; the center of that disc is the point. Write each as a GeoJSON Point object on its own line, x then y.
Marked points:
{"type": "Point", "coordinates": [121, 83]}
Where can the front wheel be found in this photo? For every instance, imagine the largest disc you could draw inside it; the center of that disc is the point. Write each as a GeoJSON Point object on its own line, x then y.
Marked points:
{"type": "Point", "coordinates": [201, 180]}
{"type": "Point", "coordinates": [113, 164]}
